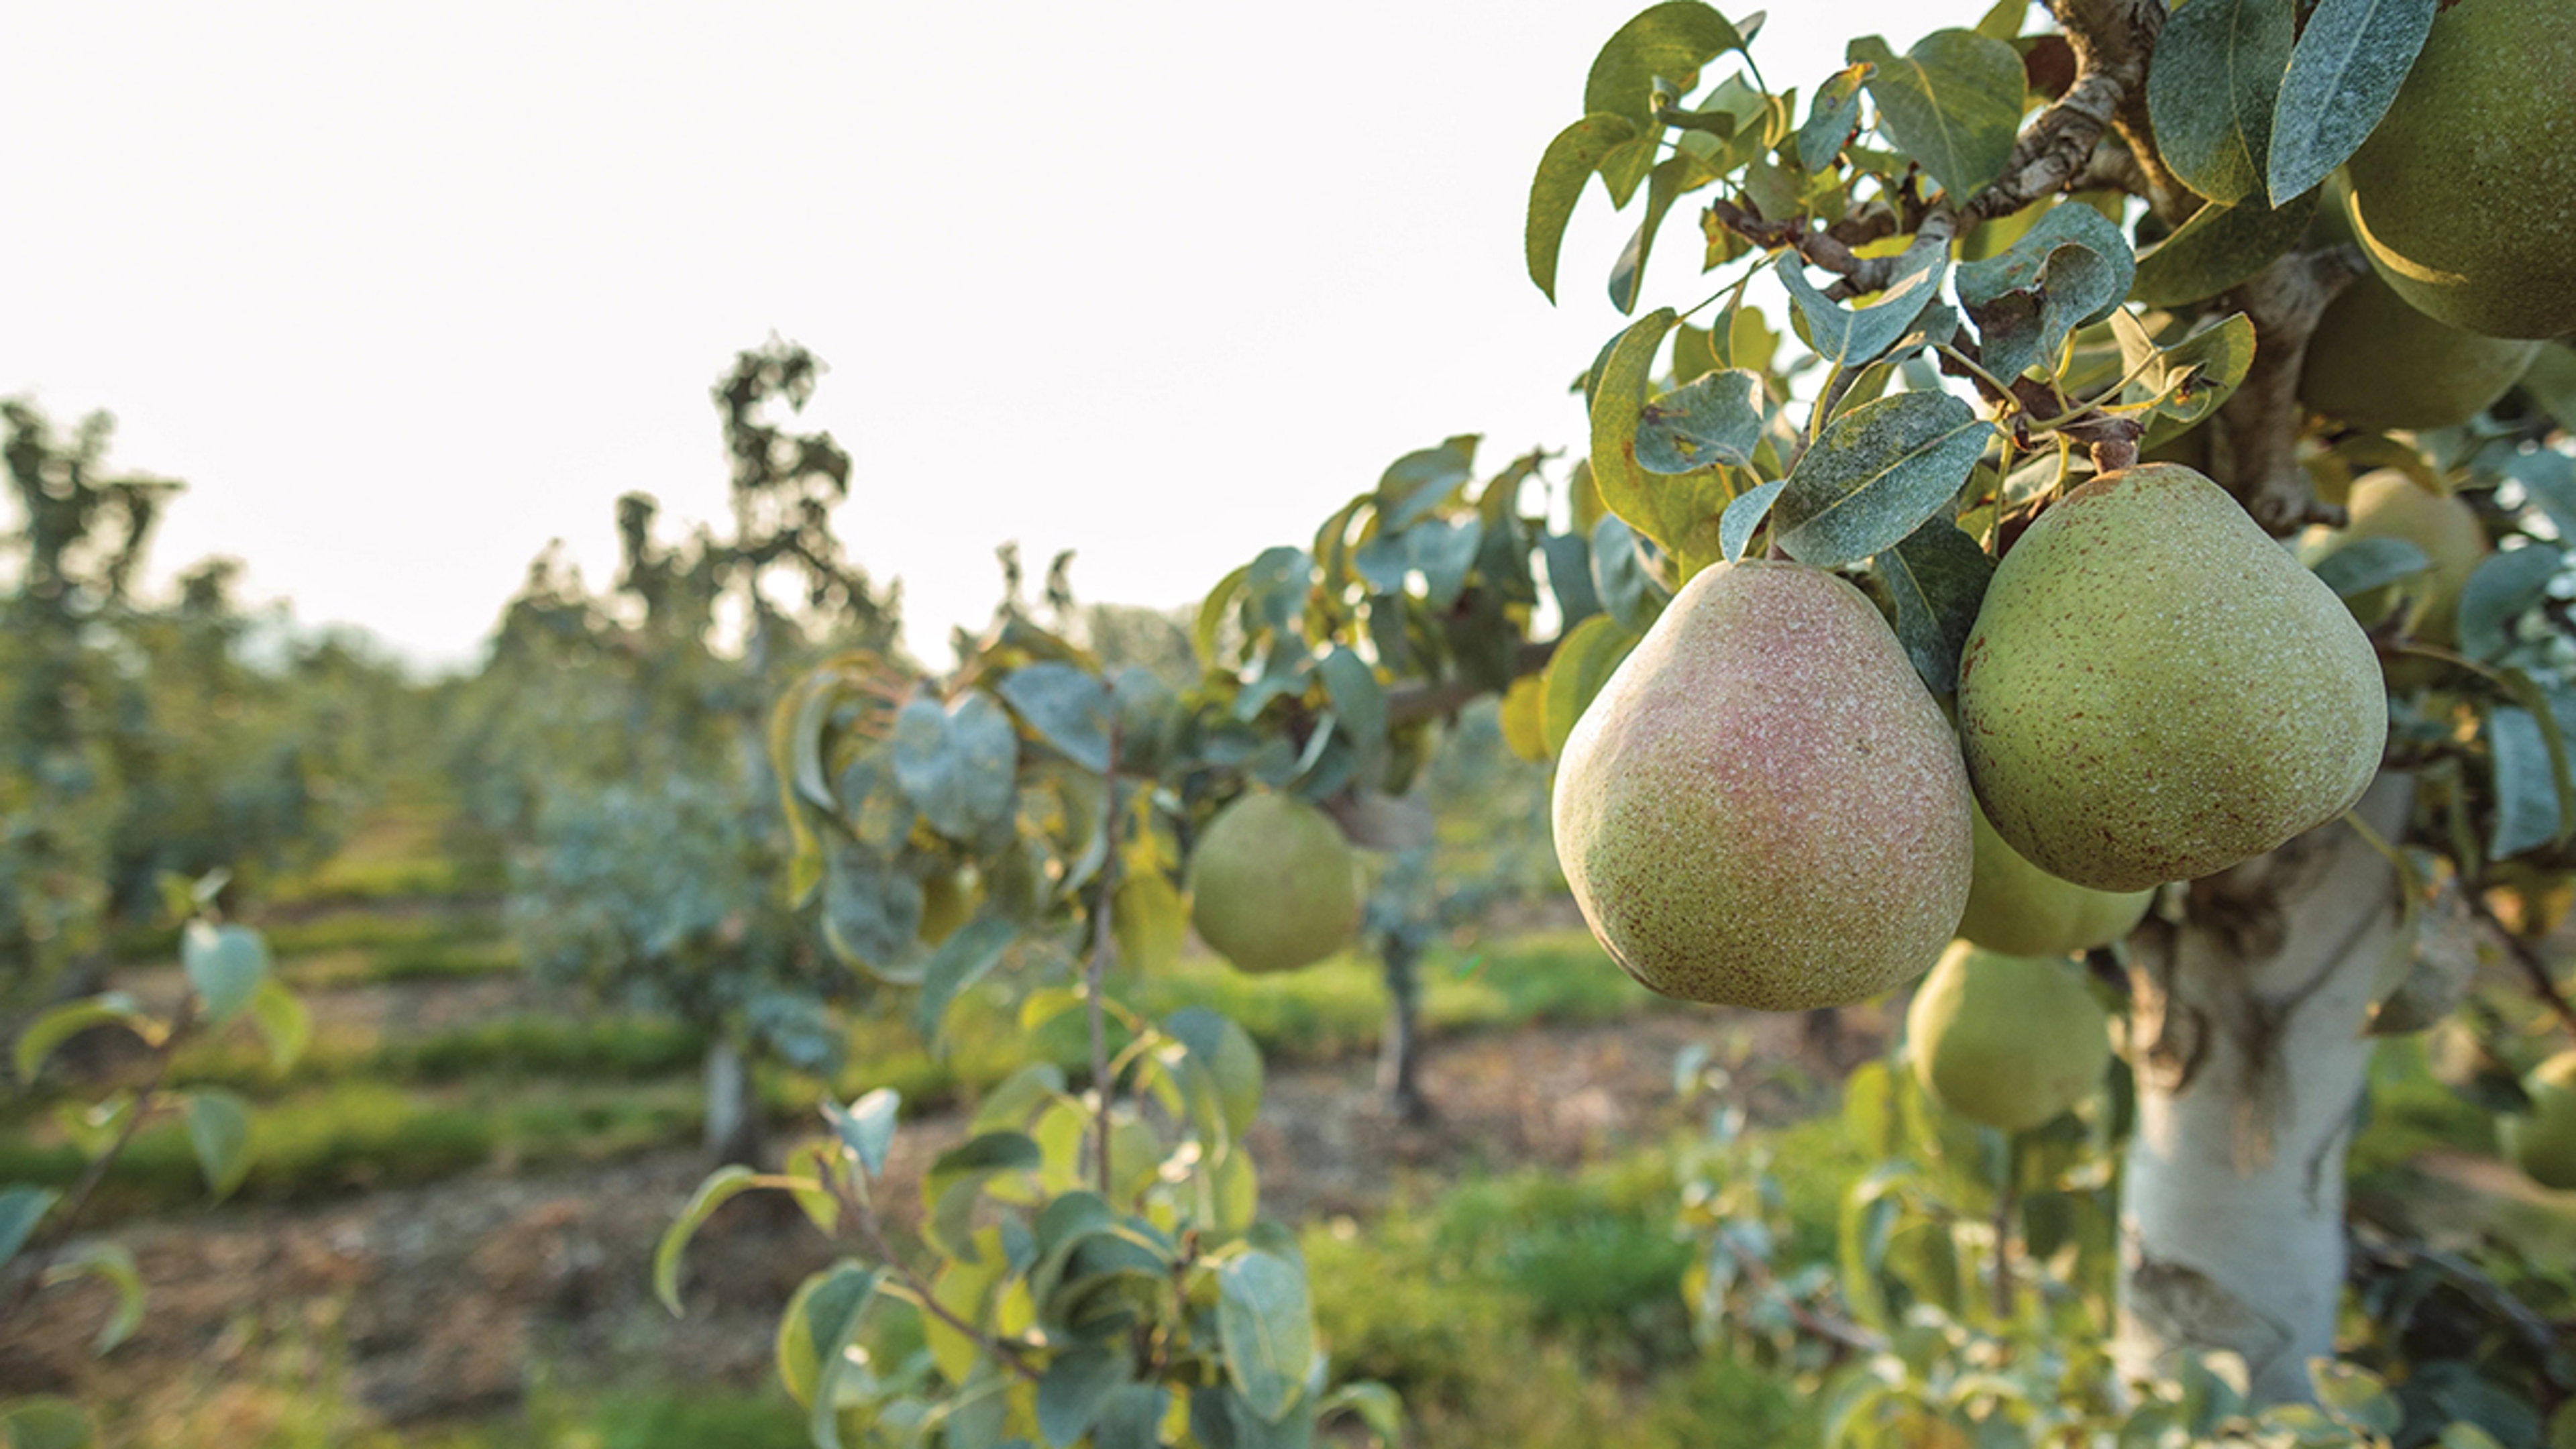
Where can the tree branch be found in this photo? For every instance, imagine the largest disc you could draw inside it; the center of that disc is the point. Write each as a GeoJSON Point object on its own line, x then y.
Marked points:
{"type": "Point", "coordinates": [2254, 445]}
{"type": "Point", "coordinates": [2535, 969]}
{"type": "Point", "coordinates": [1424, 701]}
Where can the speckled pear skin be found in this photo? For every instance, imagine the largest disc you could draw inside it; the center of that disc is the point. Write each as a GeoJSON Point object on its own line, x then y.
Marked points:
{"type": "Point", "coordinates": [2377, 363]}
{"type": "Point", "coordinates": [2465, 195]}
{"type": "Point", "coordinates": [2020, 910]}
{"type": "Point", "coordinates": [2009, 1041]}
{"type": "Point", "coordinates": [2155, 690]}
{"type": "Point", "coordinates": [1273, 884]}
{"type": "Point", "coordinates": [1763, 807]}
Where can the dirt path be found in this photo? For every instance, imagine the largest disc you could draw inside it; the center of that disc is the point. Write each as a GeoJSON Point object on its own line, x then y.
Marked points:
{"type": "Point", "coordinates": [439, 1297]}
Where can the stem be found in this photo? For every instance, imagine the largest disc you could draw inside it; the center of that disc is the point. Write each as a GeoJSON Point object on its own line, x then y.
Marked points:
{"type": "Point", "coordinates": [78, 1198]}
{"type": "Point", "coordinates": [2534, 968]}
{"type": "Point", "coordinates": [1099, 969]}
{"type": "Point", "coordinates": [1832, 1330]}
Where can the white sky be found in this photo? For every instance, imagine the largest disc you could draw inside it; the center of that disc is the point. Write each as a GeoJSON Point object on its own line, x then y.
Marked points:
{"type": "Point", "coordinates": [404, 294]}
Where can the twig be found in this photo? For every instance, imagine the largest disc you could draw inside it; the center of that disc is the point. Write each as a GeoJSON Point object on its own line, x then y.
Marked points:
{"type": "Point", "coordinates": [861, 1212]}
{"type": "Point", "coordinates": [78, 1198]}
{"type": "Point", "coordinates": [1833, 1330]}
{"type": "Point", "coordinates": [1423, 701]}
{"type": "Point", "coordinates": [2534, 968]}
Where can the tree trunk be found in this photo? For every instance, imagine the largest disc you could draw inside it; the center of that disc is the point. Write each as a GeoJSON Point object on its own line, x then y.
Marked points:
{"type": "Point", "coordinates": [733, 1106]}
{"type": "Point", "coordinates": [1400, 1050]}
{"type": "Point", "coordinates": [2246, 1032]}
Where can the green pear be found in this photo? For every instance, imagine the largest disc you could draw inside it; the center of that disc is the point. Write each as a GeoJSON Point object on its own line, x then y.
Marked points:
{"type": "Point", "coordinates": [2543, 1144]}
{"type": "Point", "coordinates": [1763, 806]}
{"type": "Point", "coordinates": [948, 900]}
{"type": "Point", "coordinates": [2465, 195]}
{"type": "Point", "coordinates": [2009, 1041]}
{"type": "Point", "coordinates": [1273, 884]}
{"type": "Point", "coordinates": [2377, 363]}
{"type": "Point", "coordinates": [2388, 504]}
{"type": "Point", "coordinates": [2154, 690]}
{"type": "Point", "coordinates": [2018, 909]}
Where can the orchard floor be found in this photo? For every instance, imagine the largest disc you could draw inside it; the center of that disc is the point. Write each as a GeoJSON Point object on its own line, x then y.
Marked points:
{"type": "Point", "coordinates": [419, 1306]}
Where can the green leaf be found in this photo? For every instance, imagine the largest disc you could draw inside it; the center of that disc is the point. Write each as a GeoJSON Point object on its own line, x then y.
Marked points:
{"type": "Point", "coordinates": [961, 961]}
{"type": "Point", "coordinates": [2219, 247]}
{"type": "Point", "coordinates": [1133, 1418]}
{"type": "Point", "coordinates": [2526, 791]}
{"type": "Point", "coordinates": [1376, 1405]}
{"type": "Point", "coordinates": [21, 1208]}
{"type": "Point", "coordinates": [112, 1264]}
{"type": "Point", "coordinates": [1736, 526]}
{"type": "Point", "coordinates": [283, 1023]}
{"type": "Point", "coordinates": [948, 1191]}
{"type": "Point", "coordinates": [219, 1131]}
{"type": "Point", "coordinates": [1211, 619]}
{"type": "Point", "coordinates": [1629, 594]}
{"type": "Point", "coordinates": [2345, 71]}
{"type": "Point", "coordinates": [1583, 662]}
{"type": "Point", "coordinates": [1445, 551]}
{"type": "Point", "coordinates": [814, 1335]}
{"type": "Point", "coordinates": [1570, 160]}
{"type": "Point", "coordinates": [1716, 419]}
{"type": "Point", "coordinates": [2506, 585]}
{"type": "Point", "coordinates": [1667, 42]}
{"type": "Point", "coordinates": [1150, 920]}
{"type": "Point", "coordinates": [816, 1161]}
{"type": "Point", "coordinates": [46, 1422]}
{"type": "Point", "coordinates": [225, 965]}
{"type": "Point", "coordinates": [867, 1125]}
{"type": "Point", "coordinates": [1569, 576]}
{"type": "Point", "coordinates": [2069, 270]}
{"type": "Point", "coordinates": [61, 1024]}
{"type": "Point", "coordinates": [2354, 1395]}
{"type": "Point", "coordinates": [1853, 336]}
{"type": "Point", "coordinates": [721, 1186]}
{"type": "Point", "coordinates": [957, 769]}
{"type": "Point", "coordinates": [1412, 488]}
{"type": "Point", "coordinates": [1076, 1388]}
{"type": "Point", "coordinates": [871, 912]}
{"type": "Point", "coordinates": [1231, 1059]}
{"type": "Point", "coordinates": [1937, 579]}
{"type": "Point", "coordinates": [1628, 273]}
{"type": "Point", "coordinates": [2196, 375]}
{"type": "Point", "coordinates": [1067, 706]}
{"type": "Point", "coordinates": [1836, 110]}
{"type": "Point", "coordinates": [1267, 1329]}
{"type": "Point", "coordinates": [1875, 475]}
{"type": "Point", "coordinates": [1952, 104]}
{"type": "Point", "coordinates": [2367, 563]}
{"type": "Point", "coordinates": [2210, 93]}
{"type": "Point", "coordinates": [1618, 405]}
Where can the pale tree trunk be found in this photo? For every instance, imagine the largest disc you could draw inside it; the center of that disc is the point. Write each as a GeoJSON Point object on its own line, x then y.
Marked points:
{"type": "Point", "coordinates": [2247, 1035]}
{"type": "Point", "coordinates": [1399, 1054]}
{"type": "Point", "coordinates": [733, 1106]}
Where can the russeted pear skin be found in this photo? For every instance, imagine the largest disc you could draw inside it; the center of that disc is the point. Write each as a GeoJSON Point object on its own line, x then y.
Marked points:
{"type": "Point", "coordinates": [2376, 363]}
{"type": "Point", "coordinates": [2009, 1041]}
{"type": "Point", "coordinates": [1273, 884]}
{"type": "Point", "coordinates": [1763, 807]}
{"type": "Point", "coordinates": [2155, 690]}
{"type": "Point", "coordinates": [2464, 196]}
{"type": "Point", "coordinates": [2388, 504]}
{"type": "Point", "coordinates": [2543, 1144]}
{"type": "Point", "coordinates": [2020, 910]}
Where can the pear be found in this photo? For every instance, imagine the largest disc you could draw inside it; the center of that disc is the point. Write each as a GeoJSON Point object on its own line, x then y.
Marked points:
{"type": "Point", "coordinates": [1273, 884]}
{"type": "Point", "coordinates": [2009, 1041]}
{"type": "Point", "coordinates": [2388, 504]}
{"type": "Point", "coordinates": [2377, 363]}
{"type": "Point", "coordinates": [2461, 197]}
{"type": "Point", "coordinates": [2154, 690]}
{"type": "Point", "coordinates": [1763, 806]}
{"type": "Point", "coordinates": [2018, 909]}
{"type": "Point", "coordinates": [948, 900]}
{"type": "Point", "coordinates": [2543, 1144]}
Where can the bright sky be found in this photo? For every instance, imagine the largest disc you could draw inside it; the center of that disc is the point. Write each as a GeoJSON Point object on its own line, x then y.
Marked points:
{"type": "Point", "coordinates": [405, 293]}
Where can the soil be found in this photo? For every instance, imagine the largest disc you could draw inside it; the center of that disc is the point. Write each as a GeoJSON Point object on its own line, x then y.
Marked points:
{"type": "Point", "coordinates": [438, 1299]}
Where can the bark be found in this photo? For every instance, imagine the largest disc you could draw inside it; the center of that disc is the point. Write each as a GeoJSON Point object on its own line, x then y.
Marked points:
{"type": "Point", "coordinates": [2246, 1035]}
{"type": "Point", "coordinates": [733, 1106]}
{"type": "Point", "coordinates": [1399, 1054]}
